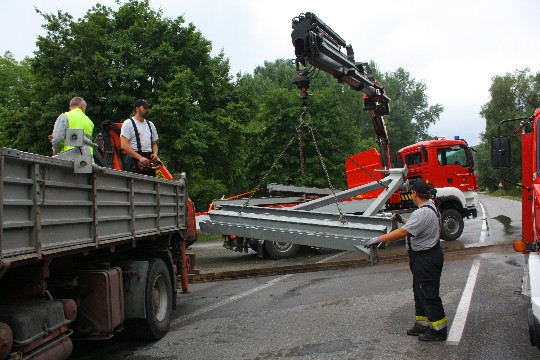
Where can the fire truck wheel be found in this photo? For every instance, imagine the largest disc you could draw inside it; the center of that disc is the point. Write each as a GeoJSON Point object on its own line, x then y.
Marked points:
{"type": "Point", "coordinates": [452, 224]}
{"type": "Point", "coordinates": [280, 250]}
{"type": "Point", "coordinates": [534, 329]}
{"type": "Point", "coordinates": [158, 303]}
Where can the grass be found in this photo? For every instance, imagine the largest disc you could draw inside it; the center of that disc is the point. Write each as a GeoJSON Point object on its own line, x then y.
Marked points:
{"type": "Point", "coordinates": [203, 237]}
{"type": "Point", "coordinates": [510, 194]}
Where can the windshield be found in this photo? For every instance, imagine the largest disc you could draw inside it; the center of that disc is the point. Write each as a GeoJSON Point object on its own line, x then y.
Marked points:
{"type": "Point", "coordinates": [455, 155]}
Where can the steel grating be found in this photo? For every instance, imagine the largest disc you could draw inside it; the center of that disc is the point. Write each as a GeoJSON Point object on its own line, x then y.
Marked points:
{"type": "Point", "coordinates": [298, 225]}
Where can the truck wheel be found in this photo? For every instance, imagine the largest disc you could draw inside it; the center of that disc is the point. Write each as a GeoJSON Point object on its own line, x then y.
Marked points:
{"type": "Point", "coordinates": [158, 303]}
{"type": "Point", "coordinates": [280, 250]}
{"type": "Point", "coordinates": [452, 224]}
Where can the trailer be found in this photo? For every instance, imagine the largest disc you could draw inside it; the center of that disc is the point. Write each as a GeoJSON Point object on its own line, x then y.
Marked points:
{"type": "Point", "coordinates": [85, 252]}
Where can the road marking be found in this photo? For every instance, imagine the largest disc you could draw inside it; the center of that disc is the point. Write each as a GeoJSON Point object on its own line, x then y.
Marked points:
{"type": "Point", "coordinates": [484, 231]}
{"type": "Point", "coordinates": [230, 300]}
{"type": "Point", "coordinates": [241, 295]}
{"type": "Point", "coordinates": [454, 336]}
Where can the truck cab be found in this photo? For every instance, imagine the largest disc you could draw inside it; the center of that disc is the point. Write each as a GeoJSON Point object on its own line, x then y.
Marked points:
{"type": "Point", "coordinates": [441, 162]}
{"type": "Point", "coordinates": [448, 166]}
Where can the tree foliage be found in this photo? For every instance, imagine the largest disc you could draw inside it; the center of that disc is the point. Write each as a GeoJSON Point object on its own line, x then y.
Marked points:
{"type": "Point", "coordinates": [224, 133]}
{"type": "Point", "coordinates": [112, 58]}
{"type": "Point", "coordinates": [513, 95]}
{"type": "Point", "coordinates": [341, 126]}
{"type": "Point", "coordinates": [16, 97]}
{"type": "Point", "coordinates": [411, 114]}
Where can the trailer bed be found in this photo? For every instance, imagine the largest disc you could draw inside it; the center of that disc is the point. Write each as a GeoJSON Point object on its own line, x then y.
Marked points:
{"type": "Point", "coordinates": [47, 209]}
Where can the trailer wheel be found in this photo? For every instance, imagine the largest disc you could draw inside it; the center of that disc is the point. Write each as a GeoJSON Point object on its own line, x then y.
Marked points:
{"type": "Point", "coordinates": [158, 303]}
{"type": "Point", "coordinates": [452, 224]}
{"type": "Point", "coordinates": [280, 250]}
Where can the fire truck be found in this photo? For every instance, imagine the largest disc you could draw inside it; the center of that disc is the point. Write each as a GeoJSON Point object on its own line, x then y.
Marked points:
{"type": "Point", "coordinates": [87, 251]}
{"type": "Point", "coordinates": [447, 165]}
{"type": "Point", "coordinates": [530, 205]}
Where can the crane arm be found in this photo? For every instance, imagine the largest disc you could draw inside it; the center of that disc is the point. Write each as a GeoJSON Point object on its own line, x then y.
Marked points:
{"type": "Point", "coordinates": [318, 47]}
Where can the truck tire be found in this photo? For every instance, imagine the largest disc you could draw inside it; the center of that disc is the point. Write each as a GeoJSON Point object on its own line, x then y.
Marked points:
{"type": "Point", "coordinates": [452, 224]}
{"type": "Point", "coordinates": [158, 303]}
{"type": "Point", "coordinates": [280, 250]}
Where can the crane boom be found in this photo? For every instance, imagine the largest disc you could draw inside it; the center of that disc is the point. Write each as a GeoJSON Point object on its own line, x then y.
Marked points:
{"type": "Point", "coordinates": [318, 47]}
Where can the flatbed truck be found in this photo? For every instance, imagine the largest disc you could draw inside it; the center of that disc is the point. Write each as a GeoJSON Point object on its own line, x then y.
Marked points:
{"type": "Point", "coordinates": [86, 255]}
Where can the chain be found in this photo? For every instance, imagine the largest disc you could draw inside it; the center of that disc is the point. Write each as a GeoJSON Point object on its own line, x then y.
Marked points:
{"type": "Point", "coordinates": [300, 142]}
{"type": "Point", "coordinates": [341, 216]}
{"type": "Point", "coordinates": [272, 167]}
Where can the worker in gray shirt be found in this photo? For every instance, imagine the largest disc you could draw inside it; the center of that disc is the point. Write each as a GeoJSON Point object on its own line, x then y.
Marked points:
{"type": "Point", "coordinates": [422, 231]}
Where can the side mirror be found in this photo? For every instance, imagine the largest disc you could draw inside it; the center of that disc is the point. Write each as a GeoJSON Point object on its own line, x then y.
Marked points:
{"type": "Point", "coordinates": [500, 152]}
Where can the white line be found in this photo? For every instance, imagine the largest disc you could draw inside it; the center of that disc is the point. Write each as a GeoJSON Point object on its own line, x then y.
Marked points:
{"type": "Point", "coordinates": [229, 300]}
{"type": "Point", "coordinates": [484, 224]}
{"type": "Point", "coordinates": [241, 295]}
{"type": "Point", "coordinates": [458, 324]}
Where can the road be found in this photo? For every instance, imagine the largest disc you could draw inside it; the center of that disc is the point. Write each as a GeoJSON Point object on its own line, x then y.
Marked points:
{"type": "Point", "coordinates": [353, 313]}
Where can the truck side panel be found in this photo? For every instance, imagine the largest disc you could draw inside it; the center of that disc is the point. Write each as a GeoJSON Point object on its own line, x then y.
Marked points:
{"type": "Point", "coordinates": [48, 209]}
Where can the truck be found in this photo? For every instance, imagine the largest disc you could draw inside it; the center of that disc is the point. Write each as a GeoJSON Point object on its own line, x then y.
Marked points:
{"type": "Point", "coordinates": [87, 251]}
{"type": "Point", "coordinates": [530, 205]}
{"type": "Point", "coordinates": [447, 165]}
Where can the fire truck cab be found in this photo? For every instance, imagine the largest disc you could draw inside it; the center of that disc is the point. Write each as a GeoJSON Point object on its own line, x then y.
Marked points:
{"type": "Point", "coordinates": [448, 166]}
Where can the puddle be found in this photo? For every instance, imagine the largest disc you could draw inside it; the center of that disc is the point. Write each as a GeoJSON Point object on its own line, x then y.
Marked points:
{"type": "Point", "coordinates": [506, 222]}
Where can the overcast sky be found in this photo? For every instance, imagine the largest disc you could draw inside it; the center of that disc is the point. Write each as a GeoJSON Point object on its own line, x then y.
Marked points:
{"type": "Point", "coordinates": [454, 47]}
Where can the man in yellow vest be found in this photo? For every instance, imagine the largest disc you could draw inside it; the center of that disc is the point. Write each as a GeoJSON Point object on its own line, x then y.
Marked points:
{"type": "Point", "coordinates": [75, 118]}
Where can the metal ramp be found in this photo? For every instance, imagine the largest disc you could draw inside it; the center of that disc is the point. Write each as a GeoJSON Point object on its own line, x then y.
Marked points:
{"type": "Point", "coordinates": [304, 225]}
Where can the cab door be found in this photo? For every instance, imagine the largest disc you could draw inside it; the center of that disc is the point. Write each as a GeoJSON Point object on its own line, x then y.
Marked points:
{"type": "Point", "coordinates": [456, 167]}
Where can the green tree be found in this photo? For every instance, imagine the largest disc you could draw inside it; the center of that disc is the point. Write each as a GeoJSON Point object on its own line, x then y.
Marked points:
{"type": "Point", "coordinates": [343, 128]}
{"type": "Point", "coordinates": [513, 95]}
{"type": "Point", "coordinates": [112, 58]}
{"type": "Point", "coordinates": [410, 112]}
{"type": "Point", "coordinates": [16, 96]}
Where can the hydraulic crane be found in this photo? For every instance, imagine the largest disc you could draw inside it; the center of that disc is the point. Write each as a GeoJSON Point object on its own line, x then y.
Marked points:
{"type": "Point", "coordinates": [318, 47]}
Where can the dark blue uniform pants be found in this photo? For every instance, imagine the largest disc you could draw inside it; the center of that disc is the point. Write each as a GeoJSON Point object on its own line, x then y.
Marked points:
{"type": "Point", "coordinates": [426, 268]}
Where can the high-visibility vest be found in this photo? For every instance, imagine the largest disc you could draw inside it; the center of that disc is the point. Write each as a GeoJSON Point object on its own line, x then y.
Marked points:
{"type": "Point", "coordinates": [77, 119]}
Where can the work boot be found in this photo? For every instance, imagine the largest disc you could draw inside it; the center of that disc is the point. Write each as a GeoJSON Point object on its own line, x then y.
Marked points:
{"type": "Point", "coordinates": [433, 335]}
{"type": "Point", "coordinates": [417, 329]}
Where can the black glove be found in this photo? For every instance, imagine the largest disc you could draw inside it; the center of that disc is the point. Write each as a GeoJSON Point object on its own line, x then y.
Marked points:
{"type": "Point", "coordinates": [398, 218]}
{"type": "Point", "coordinates": [374, 241]}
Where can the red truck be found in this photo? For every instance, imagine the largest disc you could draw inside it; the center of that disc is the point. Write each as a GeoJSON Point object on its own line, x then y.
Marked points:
{"type": "Point", "coordinates": [86, 251]}
{"type": "Point", "coordinates": [447, 165]}
{"type": "Point", "coordinates": [530, 208]}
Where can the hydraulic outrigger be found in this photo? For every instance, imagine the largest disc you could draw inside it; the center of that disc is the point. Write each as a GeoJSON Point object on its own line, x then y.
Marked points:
{"type": "Point", "coordinates": [317, 47]}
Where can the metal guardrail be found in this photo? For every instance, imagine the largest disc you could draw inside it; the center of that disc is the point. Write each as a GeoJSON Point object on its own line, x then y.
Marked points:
{"type": "Point", "coordinates": [304, 225]}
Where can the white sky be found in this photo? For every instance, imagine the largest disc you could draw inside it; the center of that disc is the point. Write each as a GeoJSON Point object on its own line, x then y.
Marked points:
{"type": "Point", "coordinates": [455, 47]}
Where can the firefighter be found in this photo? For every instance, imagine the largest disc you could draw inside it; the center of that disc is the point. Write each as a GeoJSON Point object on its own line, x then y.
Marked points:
{"type": "Point", "coordinates": [75, 118]}
{"type": "Point", "coordinates": [422, 231]}
{"type": "Point", "coordinates": [138, 139]}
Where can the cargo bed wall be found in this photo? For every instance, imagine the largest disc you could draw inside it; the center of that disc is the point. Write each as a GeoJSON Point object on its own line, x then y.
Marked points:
{"type": "Point", "coordinates": [46, 208]}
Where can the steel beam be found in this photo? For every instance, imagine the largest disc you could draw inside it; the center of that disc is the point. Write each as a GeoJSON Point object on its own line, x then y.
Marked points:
{"type": "Point", "coordinates": [296, 226]}
{"type": "Point", "coordinates": [391, 183]}
{"type": "Point", "coordinates": [305, 224]}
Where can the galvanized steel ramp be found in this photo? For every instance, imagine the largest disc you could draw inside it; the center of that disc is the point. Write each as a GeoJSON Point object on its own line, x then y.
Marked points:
{"type": "Point", "coordinates": [300, 226]}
